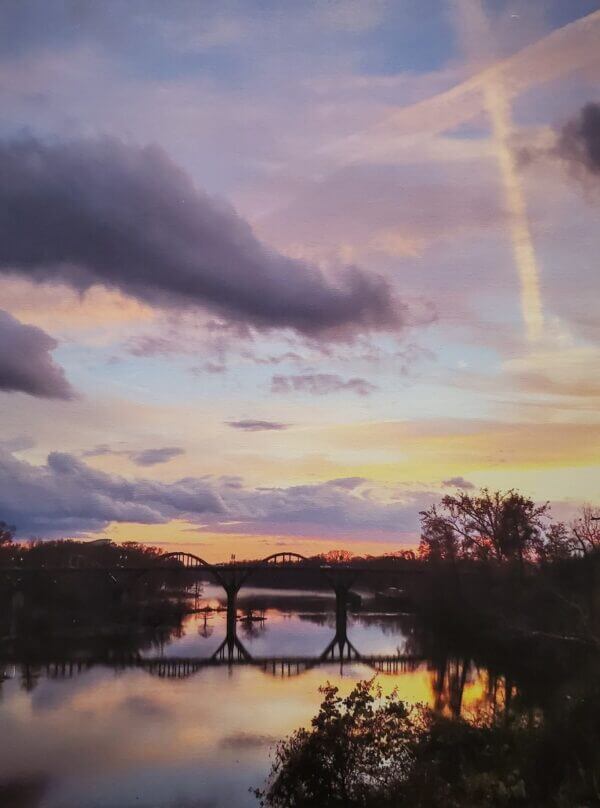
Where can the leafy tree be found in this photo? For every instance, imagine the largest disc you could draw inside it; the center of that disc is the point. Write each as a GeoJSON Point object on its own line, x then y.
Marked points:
{"type": "Point", "coordinates": [497, 526]}
{"type": "Point", "coordinates": [439, 540]}
{"type": "Point", "coordinates": [356, 749]}
{"type": "Point", "coordinates": [363, 751]}
{"type": "Point", "coordinates": [337, 557]}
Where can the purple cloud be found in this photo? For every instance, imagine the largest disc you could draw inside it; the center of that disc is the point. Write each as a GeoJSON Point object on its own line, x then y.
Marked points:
{"type": "Point", "coordinates": [320, 384]}
{"type": "Point", "coordinates": [105, 212]}
{"type": "Point", "coordinates": [250, 425]}
{"type": "Point", "coordinates": [68, 497]}
{"type": "Point", "coordinates": [349, 483]}
{"type": "Point", "coordinates": [26, 364]}
{"type": "Point", "coordinates": [143, 457]}
{"type": "Point", "coordinates": [458, 482]}
{"type": "Point", "coordinates": [152, 457]}
{"type": "Point", "coordinates": [579, 142]}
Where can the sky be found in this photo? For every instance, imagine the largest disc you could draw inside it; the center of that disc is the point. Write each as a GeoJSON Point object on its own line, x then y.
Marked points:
{"type": "Point", "coordinates": [280, 275]}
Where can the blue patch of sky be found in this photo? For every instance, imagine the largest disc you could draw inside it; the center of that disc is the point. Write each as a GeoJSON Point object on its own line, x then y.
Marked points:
{"type": "Point", "coordinates": [562, 12]}
{"type": "Point", "coordinates": [419, 37]}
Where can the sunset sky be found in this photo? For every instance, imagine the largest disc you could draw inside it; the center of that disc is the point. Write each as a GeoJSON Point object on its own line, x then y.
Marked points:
{"type": "Point", "coordinates": [281, 274]}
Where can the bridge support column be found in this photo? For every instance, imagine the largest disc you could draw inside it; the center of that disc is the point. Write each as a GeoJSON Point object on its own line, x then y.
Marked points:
{"type": "Point", "coordinates": [340, 648]}
{"type": "Point", "coordinates": [231, 649]}
{"type": "Point", "coordinates": [341, 613]}
{"type": "Point", "coordinates": [231, 630]}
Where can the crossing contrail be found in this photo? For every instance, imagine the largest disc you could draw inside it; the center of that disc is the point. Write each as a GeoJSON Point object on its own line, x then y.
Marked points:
{"type": "Point", "coordinates": [498, 107]}
{"type": "Point", "coordinates": [492, 86]}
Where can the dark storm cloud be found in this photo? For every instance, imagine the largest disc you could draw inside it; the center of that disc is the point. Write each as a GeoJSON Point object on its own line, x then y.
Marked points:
{"type": "Point", "coordinates": [26, 364]}
{"type": "Point", "coordinates": [67, 497]}
{"type": "Point", "coordinates": [579, 141]}
{"type": "Point", "coordinates": [104, 212]}
{"type": "Point", "coordinates": [320, 384]}
{"type": "Point", "coordinates": [250, 425]}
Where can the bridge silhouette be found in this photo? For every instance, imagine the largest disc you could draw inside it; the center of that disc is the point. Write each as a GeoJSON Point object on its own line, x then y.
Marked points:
{"type": "Point", "coordinates": [280, 666]}
{"type": "Point", "coordinates": [231, 577]}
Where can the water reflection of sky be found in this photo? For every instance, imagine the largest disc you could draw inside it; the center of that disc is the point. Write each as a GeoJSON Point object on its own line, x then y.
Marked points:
{"type": "Point", "coordinates": [118, 739]}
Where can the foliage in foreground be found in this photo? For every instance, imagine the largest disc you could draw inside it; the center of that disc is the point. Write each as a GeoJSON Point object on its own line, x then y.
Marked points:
{"type": "Point", "coordinates": [365, 750]}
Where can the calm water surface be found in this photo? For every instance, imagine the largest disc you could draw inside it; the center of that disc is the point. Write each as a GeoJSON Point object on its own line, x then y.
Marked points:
{"type": "Point", "coordinates": [115, 738]}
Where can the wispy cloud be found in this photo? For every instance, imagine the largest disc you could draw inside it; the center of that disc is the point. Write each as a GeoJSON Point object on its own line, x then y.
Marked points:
{"type": "Point", "coordinates": [251, 425]}
{"type": "Point", "coordinates": [320, 384]}
{"type": "Point", "coordinates": [458, 482]}
{"type": "Point", "coordinates": [142, 457]}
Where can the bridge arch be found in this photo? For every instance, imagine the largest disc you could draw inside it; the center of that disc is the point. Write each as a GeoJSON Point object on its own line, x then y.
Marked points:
{"type": "Point", "coordinates": [189, 562]}
{"type": "Point", "coordinates": [280, 559]}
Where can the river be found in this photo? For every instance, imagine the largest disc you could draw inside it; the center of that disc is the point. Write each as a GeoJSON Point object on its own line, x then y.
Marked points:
{"type": "Point", "coordinates": [112, 735]}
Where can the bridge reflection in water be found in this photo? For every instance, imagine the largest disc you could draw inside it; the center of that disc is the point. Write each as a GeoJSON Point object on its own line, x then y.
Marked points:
{"type": "Point", "coordinates": [232, 651]}
{"type": "Point", "coordinates": [185, 667]}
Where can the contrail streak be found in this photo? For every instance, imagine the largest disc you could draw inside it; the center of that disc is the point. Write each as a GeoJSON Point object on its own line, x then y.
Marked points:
{"type": "Point", "coordinates": [497, 106]}
{"type": "Point", "coordinates": [498, 109]}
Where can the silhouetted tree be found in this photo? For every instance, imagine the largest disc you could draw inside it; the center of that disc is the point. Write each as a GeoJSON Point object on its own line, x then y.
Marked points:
{"type": "Point", "coordinates": [6, 533]}
{"type": "Point", "coordinates": [585, 531]}
{"type": "Point", "coordinates": [367, 752]}
{"type": "Point", "coordinates": [496, 526]}
{"type": "Point", "coordinates": [439, 540]}
{"type": "Point", "coordinates": [336, 557]}
{"type": "Point", "coordinates": [356, 750]}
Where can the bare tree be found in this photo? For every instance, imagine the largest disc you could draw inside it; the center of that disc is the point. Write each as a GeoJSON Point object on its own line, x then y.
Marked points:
{"type": "Point", "coordinates": [586, 531]}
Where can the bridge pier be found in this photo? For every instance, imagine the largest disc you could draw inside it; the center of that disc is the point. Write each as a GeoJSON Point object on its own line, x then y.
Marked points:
{"type": "Point", "coordinates": [231, 649]}
{"type": "Point", "coordinates": [231, 629]}
{"type": "Point", "coordinates": [340, 648]}
{"type": "Point", "coordinates": [341, 610]}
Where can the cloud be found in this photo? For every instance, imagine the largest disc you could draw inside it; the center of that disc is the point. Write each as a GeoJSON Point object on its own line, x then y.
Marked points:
{"type": "Point", "coordinates": [458, 482]}
{"type": "Point", "coordinates": [319, 384]}
{"type": "Point", "coordinates": [247, 740]}
{"type": "Point", "coordinates": [579, 141]}
{"type": "Point", "coordinates": [306, 510]}
{"type": "Point", "coordinates": [349, 483]}
{"type": "Point", "coordinates": [104, 212]}
{"type": "Point", "coordinates": [26, 365]}
{"type": "Point", "coordinates": [152, 457]}
{"type": "Point", "coordinates": [564, 50]}
{"type": "Point", "coordinates": [569, 371]}
{"type": "Point", "coordinates": [250, 425]}
{"type": "Point", "coordinates": [67, 497]}
{"type": "Point", "coordinates": [143, 457]}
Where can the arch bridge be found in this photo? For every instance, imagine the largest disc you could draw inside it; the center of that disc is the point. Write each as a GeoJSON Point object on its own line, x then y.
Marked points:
{"type": "Point", "coordinates": [233, 575]}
